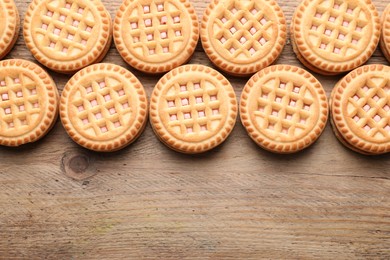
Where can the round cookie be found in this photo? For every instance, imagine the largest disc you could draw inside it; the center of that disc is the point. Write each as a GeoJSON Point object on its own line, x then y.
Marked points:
{"type": "Point", "coordinates": [283, 108]}
{"type": "Point", "coordinates": [155, 36]}
{"type": "Point", "coordinates": [67, 35]}
{"type": "Point", "coordinates": [333, 36]}
{"type": "Point", "coordinates": [360, 109]}
{"type": "Point", "coordinates": [9, 26]}
{"type": "Point", "coordinates": [28, 102]}
{"type": "Point", "coordinates": [385, 34]}
{"type": "Point", "coordinates": [104, 107]}
{"type": "Point", "coordinates": [243, 37]}
{"type": "Point", "coordinates": [193, 109]}
{"type": "Point", "coordinates": [335, 130]}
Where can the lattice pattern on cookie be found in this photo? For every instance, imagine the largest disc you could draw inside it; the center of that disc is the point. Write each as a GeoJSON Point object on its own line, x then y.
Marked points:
{"type": "Point", "coordinates": [284, 109]}
{"type": "Point", "coordinates": [369, 107]}
{"type": "Point", "coordinates": [101, 106]}
{"type": "Point", "coordinates": [19, 102]}
{"type": "Point", "coordinates": [193, 108]}
{"type": "Point", "coordinates": [66, 27]}
{"type": "Point", "coordinates": [156, 28]}
{"type": "Point", "coordinates": [243, 30]}
{"type": "Point", "coordinates": [338, 28]}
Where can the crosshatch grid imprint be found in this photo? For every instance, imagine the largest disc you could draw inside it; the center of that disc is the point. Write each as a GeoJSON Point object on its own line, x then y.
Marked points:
{"type": "Point", "coordinates": [244, 30]}
{"type": "Point", "coordinates": [338, 29]}
{"type": "Point", "coordinates": [369, 108]}
{"type": "Point", "coordinates": [156, 28]}
{"type": "Point", "coordinates": [66, 27]}
{"type": "Point", "coordinates": [101, 107]}
{"type": "Point", "coordinates": [193, 108]}
{"type": "Point", "coordinates": [19, 102]}
{"type": "Point", "coordinates": [284, 109]}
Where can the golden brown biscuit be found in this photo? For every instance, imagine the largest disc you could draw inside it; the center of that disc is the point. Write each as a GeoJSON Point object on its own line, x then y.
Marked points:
{"type": "Point", "coordinates": [156, 35]}
{"type": "Point", "coordinates": [283, 108]}
{"type": "Point", "coordinates": [335, 130]}
{"type": "Point", "coordinates": [385, 35]}
{"type": "Point", "coordinates": [193, 109]}
{"type": "Point", "coordinates": [104, 107]}
{"type": "Point", "coordinates": [360, 109]}
{"type": "Point", "coordinates": [67, 35]}
{"type": "Point", "coordinates": [28, 102]}
{"type": "Point", "coordinates": [9, 26]}
{"type": "Point", "coordinates": [334, 36]}
{"type": "Point", "coordinates": [243, 37]}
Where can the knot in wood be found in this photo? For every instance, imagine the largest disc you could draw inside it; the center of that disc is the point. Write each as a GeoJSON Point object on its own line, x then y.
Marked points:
{"type": "Point", "coordinates": [77, 166]}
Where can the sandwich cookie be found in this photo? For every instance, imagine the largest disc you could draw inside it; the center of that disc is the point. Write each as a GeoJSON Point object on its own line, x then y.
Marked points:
{"type": "Point", "coordinates": [283, 108]}
{"type": "Point", "coordinates": [243, 37]}
{"type": "Point", "coordinates": [360, 110]}
{"type": "Point", "coordinates": [28, 102]}
{"type": "Point", "coordinates": [155, 36]}
{"type": "Point", "coordinates": [193, 109]}
{"type": "Point", "coordinates": [9, 26]}
{"type": "Point", "coordinates": [67, 35]}
{"type": "Point", "coordinates": [103, 107]}
{"type": "Point", "coordinates": [333, 36]}
{"type": "Point", "coordinates": [385, 35]}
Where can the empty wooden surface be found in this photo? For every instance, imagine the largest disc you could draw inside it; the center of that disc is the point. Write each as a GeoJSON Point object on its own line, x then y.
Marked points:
{"type": "Point", "coordinates": [60, 201]}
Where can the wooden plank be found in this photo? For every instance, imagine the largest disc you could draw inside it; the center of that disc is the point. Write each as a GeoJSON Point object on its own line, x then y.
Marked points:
{"type": "Point", "coordinates": [236, 201]}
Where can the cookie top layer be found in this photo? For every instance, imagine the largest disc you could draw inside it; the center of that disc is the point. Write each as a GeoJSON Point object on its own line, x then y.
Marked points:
{"type": "Point", "coordinates": [283, 108]}
{"type": "Point", "coordinates": [242, 37]}
{"type": "Point", "coordinates": [193, 108]}
{"type": "Point", "coordinates": [67, 35]}
{"type": "Point", "coordinates": [103, 107]}
{"type": "Point", "coordinates": [361, 108]}
{"type": "Point", "coordinates": [156, 35]}
{"type": "Point", "coordinates": [28, 102]}
{"type": "Point", "coordinates": [9, 26]}
{"type": "Point", "coordinates": [385, 36]}
{"type": "Point", "coordinates": [334, 35]}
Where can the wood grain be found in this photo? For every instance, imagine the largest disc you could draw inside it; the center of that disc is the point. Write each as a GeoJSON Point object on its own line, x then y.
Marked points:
{"type": "Point", "coordinates": [60, 201]}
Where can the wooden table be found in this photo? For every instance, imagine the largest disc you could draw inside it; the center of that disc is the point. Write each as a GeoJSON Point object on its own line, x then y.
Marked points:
{"type": "Point", "coordinates": [60, 201]}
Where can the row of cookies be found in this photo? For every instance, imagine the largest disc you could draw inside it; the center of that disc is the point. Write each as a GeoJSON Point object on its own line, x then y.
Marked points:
{"type": "Point", "coordinates": [193, 108]}
{"type": "Point", "coordinates": [103, 107]}
{"type": "Point", "coordinates": [239, 37]}
{"type": "Point", "coordinates": [188, 114]}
